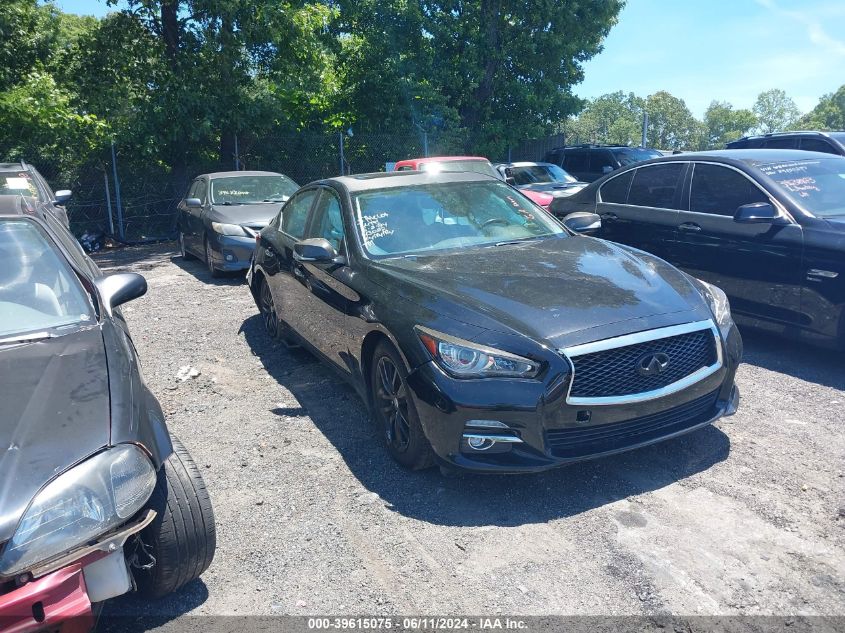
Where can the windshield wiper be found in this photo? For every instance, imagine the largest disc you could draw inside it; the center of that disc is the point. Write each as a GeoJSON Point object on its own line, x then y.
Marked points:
{"type": "Point", "coordinates": [26, 338]}
{"type": "Point", "coordinates": [521, 240]}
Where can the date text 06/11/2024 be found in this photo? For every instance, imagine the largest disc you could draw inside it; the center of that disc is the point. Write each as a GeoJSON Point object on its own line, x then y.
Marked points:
{"type": "Point", "coordinates": [417, 623]}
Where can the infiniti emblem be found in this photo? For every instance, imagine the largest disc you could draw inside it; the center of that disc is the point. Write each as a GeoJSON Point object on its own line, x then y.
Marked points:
{"type": "Point", "coordinates": [652, 364]}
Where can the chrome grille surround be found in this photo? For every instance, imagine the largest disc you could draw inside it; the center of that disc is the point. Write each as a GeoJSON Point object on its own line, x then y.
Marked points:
{"type": "Point", "coordinates": [637, 338]}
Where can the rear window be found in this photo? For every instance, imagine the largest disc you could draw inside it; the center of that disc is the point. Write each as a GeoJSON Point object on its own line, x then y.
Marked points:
{"type": "Point", "coordinates": [630, 155]}
{"type": "Point", "coordinates": [17, 184]}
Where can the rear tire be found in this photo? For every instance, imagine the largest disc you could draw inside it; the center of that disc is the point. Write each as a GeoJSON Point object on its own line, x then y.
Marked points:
{"type": "Point", "coordinates": [183, 250]}
{"type": "Point", "coordinates": [182, 537]}
{"type": "Point", "coordinates": [393, 408]}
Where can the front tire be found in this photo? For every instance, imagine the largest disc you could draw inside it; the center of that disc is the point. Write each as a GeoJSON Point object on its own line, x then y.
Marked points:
{"type": "Point", "coordinates": [209, 261]}
{"type": "Point", "coordinates": [395, 412]}
{"type": "Point", "coordinates": [183, 250]}
{"type": "Point", "coordinates": [182, 537]}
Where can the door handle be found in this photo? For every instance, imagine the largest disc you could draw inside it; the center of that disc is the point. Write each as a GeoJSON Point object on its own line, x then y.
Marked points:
{"type": "Point", "coordinates": [609, 217]}
{"type": "Point", "coordinates": [690, 227]}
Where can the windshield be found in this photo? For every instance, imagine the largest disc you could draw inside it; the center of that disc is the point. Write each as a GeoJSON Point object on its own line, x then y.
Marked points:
{"type": "Point", "coordinates": [252, 189]}
{"type": "Point", "coordinates": [445, 216]}
{"type": "Point", "coordinates": [816, 185]}
{"type": "Point", "coordinates": [534, 174]}
{"type": "Point", "coordinates": [38, 291]}
{"type": "Point", "coordinates": [18, 183]}
{"type": "Point", "coordinates": [631, 155]}
{"type": "Point", "coordinates": [475, 166]}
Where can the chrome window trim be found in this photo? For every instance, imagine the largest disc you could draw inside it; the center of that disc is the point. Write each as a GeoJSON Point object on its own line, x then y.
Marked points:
{"type": "Point", "coordinates": [643, 337]}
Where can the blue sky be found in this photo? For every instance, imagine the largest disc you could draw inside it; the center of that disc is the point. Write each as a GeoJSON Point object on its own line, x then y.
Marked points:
{"type": "Point", "coordinates": [700, 50]}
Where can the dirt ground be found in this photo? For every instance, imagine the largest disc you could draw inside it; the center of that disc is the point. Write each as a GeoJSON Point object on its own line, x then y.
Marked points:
{"type": "Point", "coordinates": [743, 517]}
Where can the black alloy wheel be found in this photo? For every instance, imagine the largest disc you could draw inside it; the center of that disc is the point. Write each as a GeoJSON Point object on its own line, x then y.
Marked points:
{"type": "Point", "coordinates": [395, 412]}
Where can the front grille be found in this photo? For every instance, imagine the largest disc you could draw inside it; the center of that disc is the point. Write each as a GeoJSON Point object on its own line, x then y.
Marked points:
{"type": "Point", "coordinates": [591, 440]}
{"type": "Point", "coordinates": [615, 372]}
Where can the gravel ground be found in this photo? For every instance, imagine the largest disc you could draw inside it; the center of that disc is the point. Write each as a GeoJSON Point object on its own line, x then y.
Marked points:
{"type": "Point", "coordinates": [743, 517]}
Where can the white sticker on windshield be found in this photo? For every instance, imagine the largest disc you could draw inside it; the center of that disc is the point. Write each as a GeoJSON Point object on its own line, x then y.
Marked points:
{"type": "Point", "coordinates": [17, 183]}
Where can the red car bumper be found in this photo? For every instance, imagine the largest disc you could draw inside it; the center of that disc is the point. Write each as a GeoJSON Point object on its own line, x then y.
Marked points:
{"type": "Point", "coordinates": [57, 602]}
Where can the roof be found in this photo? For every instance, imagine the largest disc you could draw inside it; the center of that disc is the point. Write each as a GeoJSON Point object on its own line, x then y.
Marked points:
{"type": "Point", "coordinates": [391, 179]}
{"type": "Point", "coordinates": [441, 159]}
{"type": "Point", "coordinates": [13, 167]}
{"type": "Point", "coordinates": [790, 133]}
{"type": "Point", "coordinates": [751, 156]}
{"type": "Point", "coordinates": [229, 174]}
{"type": "Point", "coordinates": [526, 163]}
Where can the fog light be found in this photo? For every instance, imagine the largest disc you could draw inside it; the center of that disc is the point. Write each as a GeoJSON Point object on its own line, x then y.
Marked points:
{"type": "Point", "coordinates": [479, 443]}
{"type": "Point", "coordinates": [230, 258]}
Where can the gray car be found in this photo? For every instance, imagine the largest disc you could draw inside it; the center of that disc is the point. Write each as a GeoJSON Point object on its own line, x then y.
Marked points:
{"type": "Point", "coordinates": [22, 179]}
{"type": "Point", "coordinates": [222, 212]}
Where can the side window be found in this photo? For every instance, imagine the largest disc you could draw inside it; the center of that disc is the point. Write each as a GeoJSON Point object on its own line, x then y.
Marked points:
{"type": "Point", "coordinates": [328, 222]}
{"type": "Point", "coordinates": [789, 142]}
{"type": "Point", "coordinates": [405, 168]}
{"type": "Point", "coordinates": [600, 160]}
{"type": "Point", "coordinates": [817, 145]}
{"type": "Point", "coordinates": [295, 213]}
{"type": "Point", "coordinates": [656, 185]}
{"type": "Point", "coordinates": [616, 189]}
{"type": "Point", "coordinates": [576, 161]}
{"type": "Point", "coordinates": [202, 187]}
{"type": "Point", "coordinates": [719, 190]}
{"type": "Point", "coordinates": [192, 190]}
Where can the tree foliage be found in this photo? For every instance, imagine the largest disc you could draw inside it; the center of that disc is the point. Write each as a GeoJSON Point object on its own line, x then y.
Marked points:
{"type": "Point", "coordinates": [775, 111]}
{"type": "Point", "coordinates": [829, 114]}
{"type": "Point", "coordinates": [723, 123]}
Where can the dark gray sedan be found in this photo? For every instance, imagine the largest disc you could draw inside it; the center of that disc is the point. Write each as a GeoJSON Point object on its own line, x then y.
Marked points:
{"type": "Point", "coordinates": [222, 212]}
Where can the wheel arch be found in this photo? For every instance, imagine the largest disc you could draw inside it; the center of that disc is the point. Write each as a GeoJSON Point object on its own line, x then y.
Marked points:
{"type": "Point", "coordinates": [368, 348]}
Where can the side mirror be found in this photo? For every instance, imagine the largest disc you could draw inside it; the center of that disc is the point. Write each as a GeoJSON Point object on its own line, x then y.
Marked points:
{"type": "Point", "coordinates": [606, 169]}
{"type": "Point", "coordinates": [62, 196]}
{"type": "Point", "coordinates": [583, 222]}
{"type": "Point", "coordinates": [757, 213]}
{"type": "Point", "coordinates": [193, 203]}
{"type": "Point", "coordinates": [315, 249]}
{"type": "Point", "coordinates": [117, 289]}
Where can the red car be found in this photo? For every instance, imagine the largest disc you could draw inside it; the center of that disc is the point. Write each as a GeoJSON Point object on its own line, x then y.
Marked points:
{"type": "Point", "coordinates": [477, 164]}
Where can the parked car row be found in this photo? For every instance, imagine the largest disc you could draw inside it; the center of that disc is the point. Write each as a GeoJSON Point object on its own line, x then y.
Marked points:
{"type": "Point", "coordinates": [97, 499]}
{"type": "Point", "coordinates": [767, 226]}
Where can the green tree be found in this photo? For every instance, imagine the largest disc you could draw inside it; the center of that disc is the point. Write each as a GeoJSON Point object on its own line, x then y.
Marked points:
{"type": "Point", "coordinates": [724, 124]}
{"type": "Point", "coordinates": [614, 118]}
{"type": "Point", "coordinates": [671, 125]}
{"type": "Point", "coordinates": [829, 114]}
{"type": "Point", "coordinates": [775, 111]}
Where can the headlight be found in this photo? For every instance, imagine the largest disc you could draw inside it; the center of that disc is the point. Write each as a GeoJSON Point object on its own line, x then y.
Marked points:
{"type": "Point", "coordinates": [719, 305]}
{"type": "Point", "coordinates": [228, 229]}
{"type": "Point", "coordinates": [88, 500]}
{"type": "Point", "coordinates": [468, 360]}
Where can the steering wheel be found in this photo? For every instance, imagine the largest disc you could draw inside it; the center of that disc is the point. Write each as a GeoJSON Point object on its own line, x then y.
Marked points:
{"type": "Point", "coordinates": [493, 221]}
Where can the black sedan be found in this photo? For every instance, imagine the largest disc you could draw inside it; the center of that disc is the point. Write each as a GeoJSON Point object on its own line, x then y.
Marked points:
{"type": "Point", "coordinates": [96, 498]}
{"type": "Point", "coordinates": [765, 225]}
{"type": "Point", "coordinates": [485, 335]}
{"type": "Point", "coordinates": [222, 212]}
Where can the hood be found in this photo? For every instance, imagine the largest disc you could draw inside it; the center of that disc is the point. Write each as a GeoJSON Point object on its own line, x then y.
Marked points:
{"type": "Point", "coordinates": [538, 197]}
{"type": "Point", "coordinates": [546, 290]}
{"type": "Point", "coordinates": [837, 223]}
{"type": "Point", "coordinates": [55, 413]}
{"type": "Point", "coordinates": [249, 214]}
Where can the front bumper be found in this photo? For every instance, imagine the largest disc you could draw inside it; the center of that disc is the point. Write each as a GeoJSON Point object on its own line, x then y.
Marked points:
{"type": "Point", "coordinates": [56, 602]}
{"type": "Point", "coordinates": [231, 253]}
{"type": "Point", "coordinates": [548, 431]}
{"type": "Point", "coordinates": [60, 598]}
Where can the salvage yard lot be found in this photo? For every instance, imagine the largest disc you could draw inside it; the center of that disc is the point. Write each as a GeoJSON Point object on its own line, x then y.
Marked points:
{"type": "Point", "coordinates": [314, 517]}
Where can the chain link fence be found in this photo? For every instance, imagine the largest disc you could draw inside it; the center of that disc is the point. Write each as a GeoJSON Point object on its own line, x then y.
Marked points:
{"type": "Point", "coordinates": [116, 196]}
